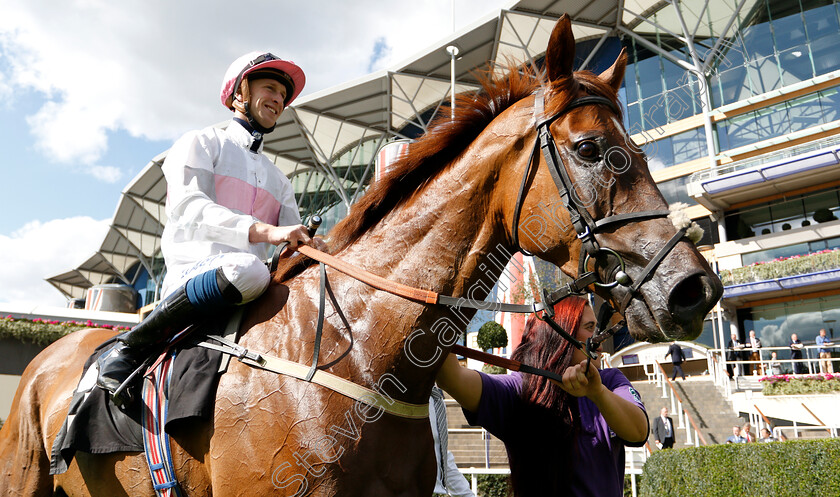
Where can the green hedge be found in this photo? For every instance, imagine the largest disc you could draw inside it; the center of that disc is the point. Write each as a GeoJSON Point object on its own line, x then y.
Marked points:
{"type": "Point", "coordinates": [778, 469]}
{"type": "Point", "coordinates": [493, 485]}
{"type": "Point", "coordinates": [43, 332]}
{"type": "Point", "coordinates": [790, 385]}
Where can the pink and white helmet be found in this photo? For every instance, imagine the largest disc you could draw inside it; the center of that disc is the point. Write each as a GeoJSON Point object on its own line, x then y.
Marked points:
{"type": "Point", "coordinates": [257, 61]}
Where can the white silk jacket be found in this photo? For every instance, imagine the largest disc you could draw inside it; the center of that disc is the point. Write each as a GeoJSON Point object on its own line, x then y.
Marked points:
{"type": "Point", "coordinates": [216, 189]}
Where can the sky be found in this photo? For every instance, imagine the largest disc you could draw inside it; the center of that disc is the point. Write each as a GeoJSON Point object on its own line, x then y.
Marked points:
{"type": "Point", "coordinates": [92, 90]}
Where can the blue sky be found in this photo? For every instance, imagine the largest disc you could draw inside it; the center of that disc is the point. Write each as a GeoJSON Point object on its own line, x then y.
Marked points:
{"type": "Point", "coordinates": [91, 90]}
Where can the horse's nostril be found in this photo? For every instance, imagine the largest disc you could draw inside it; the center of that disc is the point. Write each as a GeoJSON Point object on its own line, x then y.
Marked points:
{"type": "Point", "coordinates": [692, 296]}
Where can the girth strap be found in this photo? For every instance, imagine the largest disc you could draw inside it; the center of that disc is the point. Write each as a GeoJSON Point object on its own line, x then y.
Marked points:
{"type": "Point", "coordinates": [338, 384]}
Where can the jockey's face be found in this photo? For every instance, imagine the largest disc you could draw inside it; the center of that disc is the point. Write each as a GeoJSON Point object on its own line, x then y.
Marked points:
{"type": "Point", "coordinates": [267, 97]}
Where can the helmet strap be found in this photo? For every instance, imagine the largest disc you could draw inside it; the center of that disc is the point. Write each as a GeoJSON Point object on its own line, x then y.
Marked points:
{"type": "Point", "coordinates": [245, 107]}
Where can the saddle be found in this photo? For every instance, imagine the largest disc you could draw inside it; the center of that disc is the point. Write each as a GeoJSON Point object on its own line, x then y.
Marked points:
{"type": "Point", "coordinates": [95, 425]}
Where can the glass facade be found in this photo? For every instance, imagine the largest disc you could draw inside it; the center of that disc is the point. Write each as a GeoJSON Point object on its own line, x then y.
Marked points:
{"type": "Point", "coordinates": [782, 215]}
{"type": "Point", "coordinates": [774, 324]}
{"type": "Point", "coordinates": [776, 43]}
{"type": "Point", "coordinates": [779, 43]}
{"type": "Point", "coordinates": [777, 120]}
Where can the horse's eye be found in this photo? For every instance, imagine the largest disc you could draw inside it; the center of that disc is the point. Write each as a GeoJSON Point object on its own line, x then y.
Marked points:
{"type": "Point", "coordinates": [587, 150]}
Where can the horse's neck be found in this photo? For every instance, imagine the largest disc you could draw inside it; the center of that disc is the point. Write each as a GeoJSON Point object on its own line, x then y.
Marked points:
{"type": "Point", "coordinates": [447, 238]}
{"type": "Point", "coordinates": [438, 239]}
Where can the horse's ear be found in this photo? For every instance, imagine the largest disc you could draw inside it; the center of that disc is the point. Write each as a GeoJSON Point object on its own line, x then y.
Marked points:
{"type": "Point", "coordinates": [560, 54]}
{"type": "Point", "coordinates": [615, 74]}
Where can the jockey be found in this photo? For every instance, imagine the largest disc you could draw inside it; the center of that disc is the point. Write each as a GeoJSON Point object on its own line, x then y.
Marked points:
{"type": "Point", "coordinates": [226, 204]}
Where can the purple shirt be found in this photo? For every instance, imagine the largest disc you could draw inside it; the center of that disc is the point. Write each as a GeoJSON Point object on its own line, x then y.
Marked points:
{"type": "Point", "coordinates": [599, 459]}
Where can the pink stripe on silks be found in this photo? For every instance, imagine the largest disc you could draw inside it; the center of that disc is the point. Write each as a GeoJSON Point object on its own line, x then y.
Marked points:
{"type": "Point", "coordinates": [234, 193]}
{"type": "Point", "coordinates": [266, 207]}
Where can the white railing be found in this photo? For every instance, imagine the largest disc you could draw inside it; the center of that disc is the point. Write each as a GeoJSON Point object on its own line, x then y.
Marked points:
{"type": "Point", "coordinates": [634, 461]}
{"type": "Point", "coordinates": [778, 431]}
{"type": "Point", "coordinates": [685, 420]}
{"type": "Point", "coordinates": [475, 472]}
{"type": "Point", "coordinates": [718, 364]}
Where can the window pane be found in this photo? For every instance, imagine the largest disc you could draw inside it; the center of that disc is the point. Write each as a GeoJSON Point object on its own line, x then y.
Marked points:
{"type": "Point", "coordinates": [630, 83]}
{"type": "Point", "coordinates": [758, 41]}
{"type": "Point", "coordinates": [830, 104]}
{"type": "Point", "coordinates": [826, 53]}
{"type": "Point", "coordinates": [788, 31]}
{"type": "Point", "coordinates": [804, 112]}
{"type": "Point", "coordinates": [634, 119]}
{"type": "Point", "coordinates": [734, 85]}
{"type": "Point", "coordinates": [772, 122]}
{"type": "Point", "coordinates": [675, 76]}
{"type": "Point", "coordinates": [764, 75]}
{"type": "Point", "coordinates": [653, 112]}
{"type": "Point", "coordinates": [650, 77]}
{"type": "Point", "coordinates": [786, 214]}
{"type": "Point", "coordinates": [660, 153]}
{"type": "Point", "coordinates": [676, 191]}
{"type": "Point", "coordinates": [740, 130]}
{"type": "Point", "coordinates": [821, 22]}
{"type": "Point", "coordinates": [730, 54]}
{"type": "Point", "coordinates": [796, 65]}
{"type": "Point", "coordinates": [683, 102]}
{"type": "Point", "coordinates": [822, 207]}
{"type": "Point", "coordinates": [689, 145]}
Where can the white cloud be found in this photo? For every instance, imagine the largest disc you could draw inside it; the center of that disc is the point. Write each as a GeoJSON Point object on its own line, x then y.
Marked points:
{"type": "Point", "coordinates": [108, 174]}
{"type": "Point", "coordinates": [154, 69]}
{"type": "Point", "coordinates": [43, 249]}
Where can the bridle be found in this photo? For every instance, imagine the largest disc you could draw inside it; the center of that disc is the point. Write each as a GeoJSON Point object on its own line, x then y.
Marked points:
{"type": "Point", "coordinates": [585, 226]}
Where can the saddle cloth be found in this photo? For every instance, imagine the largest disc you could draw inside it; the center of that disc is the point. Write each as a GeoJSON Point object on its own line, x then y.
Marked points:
{"type": "Point", "coordinates": [94, 425]}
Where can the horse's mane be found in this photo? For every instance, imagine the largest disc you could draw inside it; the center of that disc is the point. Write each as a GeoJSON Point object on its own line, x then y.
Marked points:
{"type": "Point", "coordinates": [445, 138]}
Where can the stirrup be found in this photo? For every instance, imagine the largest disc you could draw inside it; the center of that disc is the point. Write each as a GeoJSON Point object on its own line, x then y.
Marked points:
{"type": "Point", "coordinates": [124, 396]}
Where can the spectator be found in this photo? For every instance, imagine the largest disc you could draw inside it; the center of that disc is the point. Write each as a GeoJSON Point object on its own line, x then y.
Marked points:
{"type": "Point", "coordinates": [736, 437]}
{"type": "Point", "coordinates": [450, 480]}
{"type": "Point", "coordinates": [733, 356]}
{"type": "Point", "coordinates": [663, 430]}
{"type": "Point", "coordinates": [746, 433]}
{"type": "Point", "coordinates": [766, 436]}
{"type": "Point", "coordinates": [775, 365]}
{"type": "Point", "coordinates": [796, 347]}
{"type": "Point", "coordinates": [677, 358]}
{"type": "Point", "coordinates": [825, 353]}
{"type": "Point", "coordinates": [754, 355]}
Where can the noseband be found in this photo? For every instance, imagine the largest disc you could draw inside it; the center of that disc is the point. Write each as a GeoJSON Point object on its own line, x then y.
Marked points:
{"type": "Point", "coordinates": [585, 226]}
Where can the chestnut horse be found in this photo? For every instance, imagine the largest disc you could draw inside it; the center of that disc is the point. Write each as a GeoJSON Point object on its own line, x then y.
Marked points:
{"type": "Point", "coordinates": [441, 220]}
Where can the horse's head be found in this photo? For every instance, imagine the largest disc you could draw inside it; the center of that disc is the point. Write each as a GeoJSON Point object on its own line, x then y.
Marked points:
{"type": "Point", "coordinates": [613, 205]}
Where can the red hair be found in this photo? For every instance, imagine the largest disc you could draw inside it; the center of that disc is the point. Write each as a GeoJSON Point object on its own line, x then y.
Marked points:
{"type": "Point", "coordinates": [542, 347]}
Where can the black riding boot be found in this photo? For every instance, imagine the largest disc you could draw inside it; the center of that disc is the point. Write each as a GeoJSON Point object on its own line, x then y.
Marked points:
{"type": "Point", "coordinates": [204, 294]}
{"type": "Point", "coordinates": [132, 347]}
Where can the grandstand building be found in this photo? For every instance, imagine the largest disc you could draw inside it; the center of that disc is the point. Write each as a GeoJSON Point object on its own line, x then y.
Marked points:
{"type": "Point", "coordinates": [735, 103]}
